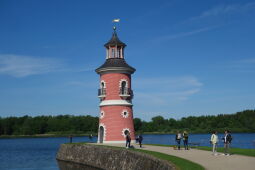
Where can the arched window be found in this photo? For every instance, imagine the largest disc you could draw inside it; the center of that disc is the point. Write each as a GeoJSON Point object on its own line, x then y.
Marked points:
{"type": "Point", "coordinates": [123, 87]}
{"type": "Point", "coordinates": [102, 90]}
{"type": "Point", "coordinates": [102, 85]}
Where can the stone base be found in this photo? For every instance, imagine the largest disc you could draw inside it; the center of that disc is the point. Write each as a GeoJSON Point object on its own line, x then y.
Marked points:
{"type": "Point", "coordinates": [109, 158]}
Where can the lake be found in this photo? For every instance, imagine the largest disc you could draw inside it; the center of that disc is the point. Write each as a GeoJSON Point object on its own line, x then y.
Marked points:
{"type": "Point", "coordinates": [40, 153]}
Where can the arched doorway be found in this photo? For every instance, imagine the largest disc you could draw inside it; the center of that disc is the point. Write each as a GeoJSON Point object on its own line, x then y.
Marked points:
{"type": "Point", "coordinates": [101, 134]}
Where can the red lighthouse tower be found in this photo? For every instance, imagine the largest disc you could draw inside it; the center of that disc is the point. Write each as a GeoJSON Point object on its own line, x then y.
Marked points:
{"type": "Point", "coordinates": [116, 114]}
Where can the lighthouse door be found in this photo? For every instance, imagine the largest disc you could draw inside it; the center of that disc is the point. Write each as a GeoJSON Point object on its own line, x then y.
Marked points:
{"type": "Point", "coordinates": [101, 134]}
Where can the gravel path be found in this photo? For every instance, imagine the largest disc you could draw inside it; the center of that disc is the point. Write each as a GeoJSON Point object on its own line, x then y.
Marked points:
{"type": "Point", "coordinates": [205, 158]}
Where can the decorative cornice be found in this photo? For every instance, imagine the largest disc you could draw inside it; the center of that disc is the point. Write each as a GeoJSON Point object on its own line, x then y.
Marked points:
{"type": "Point", "coordinates": [121, 141]}
{"type": "Point", "coordinates": [115, 70]}
{"type": "Point", "coordinates": [115, 103]}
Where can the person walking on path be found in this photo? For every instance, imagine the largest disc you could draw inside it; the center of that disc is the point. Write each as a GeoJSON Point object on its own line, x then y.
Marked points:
{"type": "Point", "coordinates": [178, 137]}
{"type": "Point", "coordinates": [214, 141]}
{"type": "Point", "coordinates": [227, 141]}
{"type": "Point", "coordinates": [140, 139]}
{"type": "Point", "coordinates": [128, 140]}
{"type": "Point", "coordinates": [185, 140]}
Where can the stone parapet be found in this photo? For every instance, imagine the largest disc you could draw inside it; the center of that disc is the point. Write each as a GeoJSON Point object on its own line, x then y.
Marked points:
{"type": "Point", "coordinates": [110, 158]}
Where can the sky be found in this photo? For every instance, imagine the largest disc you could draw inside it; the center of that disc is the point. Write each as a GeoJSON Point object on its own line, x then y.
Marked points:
{"type": "Point", "coordinates": [192, 57]}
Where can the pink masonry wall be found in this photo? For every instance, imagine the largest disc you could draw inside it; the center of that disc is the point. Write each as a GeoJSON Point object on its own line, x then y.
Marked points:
{"type": "Point", "coordinates": [115, 123]}
{"type": "Point", "coordinates": [113, 120]}
{"type": "Point", "coordinates": [112, 84]}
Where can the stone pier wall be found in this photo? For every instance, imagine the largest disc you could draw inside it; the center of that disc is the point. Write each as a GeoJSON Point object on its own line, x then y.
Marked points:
{"type": "Point", "coordinates": [110, 158]}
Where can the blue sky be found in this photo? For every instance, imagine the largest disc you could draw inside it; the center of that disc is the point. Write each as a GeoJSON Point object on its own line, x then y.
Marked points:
{"type": "Point", "coordinates": [192, 57]}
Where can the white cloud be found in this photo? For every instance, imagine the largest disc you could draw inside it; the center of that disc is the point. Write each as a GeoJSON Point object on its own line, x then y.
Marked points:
{"type": "Point", "coordinates": [165, 91]}
{"type": "Point", "coordinates": [185, 34]}
{"type": "Point", "coordinates": [22, 66]}
{"type": "Point", "coordinates": [225, 10]}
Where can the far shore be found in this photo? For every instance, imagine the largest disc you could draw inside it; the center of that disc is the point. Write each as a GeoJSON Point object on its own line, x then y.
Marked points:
{"type": "Point", "coordinates": [85, 134]}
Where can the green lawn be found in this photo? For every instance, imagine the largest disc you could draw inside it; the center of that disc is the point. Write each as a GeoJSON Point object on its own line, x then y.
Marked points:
{"type": "Point", "coordinates": [180, 163]}
{"type": "Point", "coordinates": [239, 151]}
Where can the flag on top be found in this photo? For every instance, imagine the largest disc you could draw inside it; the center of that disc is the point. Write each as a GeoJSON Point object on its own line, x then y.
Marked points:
{"type": "Point", "coordinates": [116, 20]}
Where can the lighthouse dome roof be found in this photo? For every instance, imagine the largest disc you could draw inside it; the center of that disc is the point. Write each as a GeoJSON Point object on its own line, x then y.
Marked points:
{"type": "Point", "coordinates": [114, 41]}
{"type": "Point", "coordinates": [115, 65]}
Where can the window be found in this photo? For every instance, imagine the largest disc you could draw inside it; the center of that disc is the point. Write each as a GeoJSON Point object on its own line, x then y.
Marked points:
{"type": "Point", "coordinates": [125, 131]}
{"type": "Point", "coordinates": [113, 53]}
{"type": "Point", "coordinates": [102, 84]}
{"type": "Point", "coordinates": [102, 115]}
{"type": "Point", "coordinates": [125, 113]}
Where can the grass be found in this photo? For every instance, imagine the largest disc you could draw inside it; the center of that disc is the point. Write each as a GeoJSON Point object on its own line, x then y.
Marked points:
{"type": "Point", "coordinates": [239, 151]}
{"type": "Point", "coordinates": [179, 163]}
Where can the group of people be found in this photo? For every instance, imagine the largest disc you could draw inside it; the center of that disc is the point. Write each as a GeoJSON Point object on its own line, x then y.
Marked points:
{"type": "Point", "coordinates": [226, 140]}
{"type": "Point", "coordinates": [185, 137]}
{"type": "Point", "coordinates": [182, 136]}
{"type": "Point", "coordinates": [139, 139]}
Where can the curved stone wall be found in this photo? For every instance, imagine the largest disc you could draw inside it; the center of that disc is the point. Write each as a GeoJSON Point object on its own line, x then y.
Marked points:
{"type": "Point", "coordinates": [110, 158]}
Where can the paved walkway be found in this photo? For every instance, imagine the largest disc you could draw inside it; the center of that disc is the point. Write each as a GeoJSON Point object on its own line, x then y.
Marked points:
{"type": "Point", "coordinates": [205, 158]}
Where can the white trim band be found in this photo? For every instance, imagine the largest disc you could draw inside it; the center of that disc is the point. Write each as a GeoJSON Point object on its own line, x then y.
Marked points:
{"type": "Point", "coordinates": [122, 141]}
{"type": "Point", "coordinates": [115, 102]}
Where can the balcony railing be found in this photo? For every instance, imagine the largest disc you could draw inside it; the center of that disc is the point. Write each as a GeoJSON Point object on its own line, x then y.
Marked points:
{"type": "Point", "coordinates": [126, 92]}
{"type": "Point", "coordinates": [101, 93]}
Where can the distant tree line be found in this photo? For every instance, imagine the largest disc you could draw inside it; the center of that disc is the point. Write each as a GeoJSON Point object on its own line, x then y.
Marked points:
{"type": "Point", "coordinates": [239, 122]}
{"type": "Point", "coordinates": [67, 124]}
{"type": "Point", "coordinates": [62, 124]}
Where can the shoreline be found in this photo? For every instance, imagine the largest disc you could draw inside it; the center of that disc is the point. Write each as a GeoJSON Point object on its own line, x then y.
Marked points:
{"type": "Point", "coordinates": [94, 135]}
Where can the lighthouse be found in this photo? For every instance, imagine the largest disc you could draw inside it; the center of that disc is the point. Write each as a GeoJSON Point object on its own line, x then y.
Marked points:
{"type": "Point", "coordinates": [115, 94]}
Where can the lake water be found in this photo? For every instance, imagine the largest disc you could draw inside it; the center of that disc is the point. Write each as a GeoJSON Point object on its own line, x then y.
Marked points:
{"type": "Point", "coordinates": [40, 153]}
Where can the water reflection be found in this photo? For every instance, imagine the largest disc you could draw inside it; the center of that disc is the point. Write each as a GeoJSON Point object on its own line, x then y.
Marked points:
{"type": "Point", "coordinates": [63, 165]}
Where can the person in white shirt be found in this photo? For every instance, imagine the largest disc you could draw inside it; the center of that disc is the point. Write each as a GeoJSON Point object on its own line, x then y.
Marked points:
{"type": "Point", "coordinates": [214, 141]}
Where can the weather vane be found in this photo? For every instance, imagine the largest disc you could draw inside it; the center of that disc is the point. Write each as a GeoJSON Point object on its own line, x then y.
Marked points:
{"type": "Point", "coordinates": [115, 21]}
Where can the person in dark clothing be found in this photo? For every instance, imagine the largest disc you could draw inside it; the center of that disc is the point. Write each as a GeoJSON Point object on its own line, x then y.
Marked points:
{"type": "Point", "coordinates": [90, 137]}
{"type": "Point", "coordinates": [178, 137]}
{"type": "Point", "coordinates": [70, 138]}
{"type": "Point", "coordinates": [140, 139]}
{"type": "Point", "coordinates": [128, 140]}
{"type": "Point", "coordinates": [227, 141]}
{"type": "Point", "coordinates": [185, 140]}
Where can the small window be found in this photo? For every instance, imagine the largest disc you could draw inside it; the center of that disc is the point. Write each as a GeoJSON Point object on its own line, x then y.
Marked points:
{"type": "Point", "coordinates": [119, 54]}
{"type": "Point", "coordinates": [125, 114]}
{"type": "Point", "coordinates": [113, 53]}
{"type": "Point", "coordinates": [126, 132]}
{"type": "Point", "coordinates": [102, 115]}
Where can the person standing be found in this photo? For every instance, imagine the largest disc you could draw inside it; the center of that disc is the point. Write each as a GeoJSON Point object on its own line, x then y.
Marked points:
{"type": "Point", "coordinates": [178, 137]}
{"type": "Point", "coordinates": [128, 140]}
{"type": "Point", "coordinates": [227, 141]}
{"type": "Point", "coordinates": [140, 139]}
{"type": "Point", "coordinates": [214, 141]}
{"type": "Point", "coordinates": [185, 140]}
{"type": "Point", "coordinates": [90, 137]}
{"type": "Point", "coordinates": [70, 138]}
